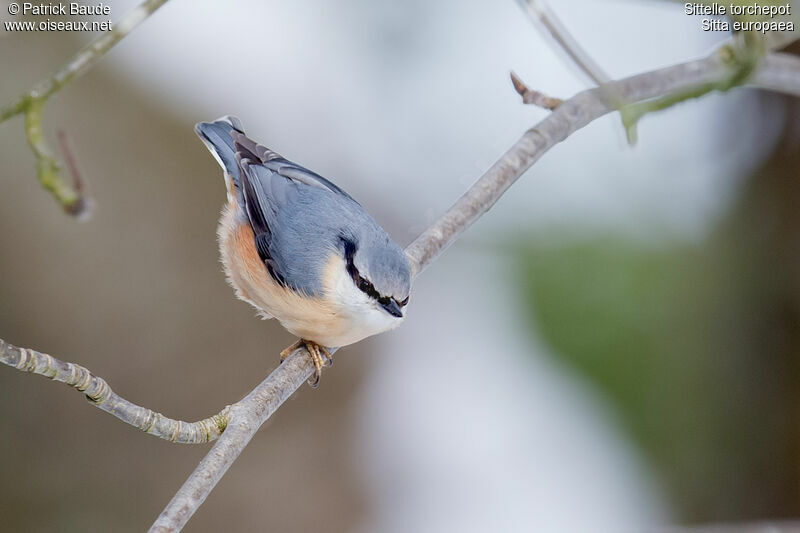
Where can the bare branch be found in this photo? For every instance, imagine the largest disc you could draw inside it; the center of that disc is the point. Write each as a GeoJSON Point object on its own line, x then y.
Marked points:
{"type": "Point", "coordinates": [530, 96]}
{"type": "Point", "coordinates": [742, 56]}
{"type": "Point", "coordinates": [101, 396]}
{"type": "Point", "coordinates": [569, 117]}
{"type": "Point", "coordinates": [31, 104]}
{"type": "Point", "coordinates": [540, 13]}
{"type": "Point", "coordinates": [779, 72]}
{"type": "Point", "coordinates": [247, 416]}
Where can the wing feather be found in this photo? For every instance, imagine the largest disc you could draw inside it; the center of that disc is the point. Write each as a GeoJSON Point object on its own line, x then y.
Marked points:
{"type": "Point", "coordinates": [270, 184]}
{"type": "Point", "coordinates": [275, 162]}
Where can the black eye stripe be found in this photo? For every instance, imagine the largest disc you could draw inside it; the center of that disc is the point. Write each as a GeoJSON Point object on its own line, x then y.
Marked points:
{"type": "Point", "coordinates": [367, 288]}
{"type": "Point", "coordinates": [363, 284]}
{"type": "Point", "coordinates": [349, 253]}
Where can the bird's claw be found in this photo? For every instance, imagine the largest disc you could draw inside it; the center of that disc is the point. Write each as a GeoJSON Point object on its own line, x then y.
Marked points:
{"type": "Point", "coordinates": [316, 352]}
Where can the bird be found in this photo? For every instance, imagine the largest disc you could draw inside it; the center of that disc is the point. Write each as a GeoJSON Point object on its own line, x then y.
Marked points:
{"type": "Point", "coordinates": [301, 250]}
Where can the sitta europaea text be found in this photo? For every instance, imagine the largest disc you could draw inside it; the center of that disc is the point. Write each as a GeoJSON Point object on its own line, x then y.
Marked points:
{"type": "Point", "coordinates": [300, 249]}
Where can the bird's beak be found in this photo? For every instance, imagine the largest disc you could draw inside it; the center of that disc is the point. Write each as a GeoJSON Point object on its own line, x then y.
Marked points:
{"type": "Point", "coordinates": [392, 308]}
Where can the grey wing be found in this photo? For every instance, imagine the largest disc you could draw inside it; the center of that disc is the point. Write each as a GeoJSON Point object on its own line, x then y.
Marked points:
{"type": "Point", "coordinates": [256, 188]}
{"type": "Point", "coordinates": [290, 210]}
{"type": "Point", "coordinates": [249, 149]}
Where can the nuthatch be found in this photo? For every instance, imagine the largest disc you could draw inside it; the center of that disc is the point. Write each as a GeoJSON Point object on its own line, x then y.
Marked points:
{"type": "Point", "coordinates": [300, 249]}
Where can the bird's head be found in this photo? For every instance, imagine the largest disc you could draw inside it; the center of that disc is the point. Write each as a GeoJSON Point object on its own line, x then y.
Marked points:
{"type": "Point", "coordinates": [378, 268]}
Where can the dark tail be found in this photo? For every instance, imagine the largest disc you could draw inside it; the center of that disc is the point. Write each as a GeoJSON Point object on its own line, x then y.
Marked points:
{"type": "Point", "coordinates": [218, 138]}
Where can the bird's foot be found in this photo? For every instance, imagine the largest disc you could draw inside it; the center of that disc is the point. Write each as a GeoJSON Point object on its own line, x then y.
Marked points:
{"type": "Point", "coordinates": [316, 352]}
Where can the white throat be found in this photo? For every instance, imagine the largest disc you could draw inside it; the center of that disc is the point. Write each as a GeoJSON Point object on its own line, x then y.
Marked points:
{"type": "Point", "coordinates": [363, 315]}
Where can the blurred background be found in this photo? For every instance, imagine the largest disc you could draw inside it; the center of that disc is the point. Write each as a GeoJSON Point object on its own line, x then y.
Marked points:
{"type": "Point", "coordinates": [612, 347]}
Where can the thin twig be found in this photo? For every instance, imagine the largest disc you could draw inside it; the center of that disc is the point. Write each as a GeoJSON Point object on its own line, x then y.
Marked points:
{"type": "Point", "coordinates": [540, 13]}
{"type": "Point", "coordinates": [78, 183]}
{"type": "Point", "coordinates": [101, 396]}
{"type": "Point", "coordinates": [239, 422]}
{"type": "Point", "coordinates": [72, 163]}
{"type": "Point", "coordinates": [31, 104]}
{"type": "Point", "coordinates": [530, 96]}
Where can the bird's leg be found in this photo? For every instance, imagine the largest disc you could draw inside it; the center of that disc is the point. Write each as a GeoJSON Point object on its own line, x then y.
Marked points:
{"type": "Point", "coordinates": [316, 352]}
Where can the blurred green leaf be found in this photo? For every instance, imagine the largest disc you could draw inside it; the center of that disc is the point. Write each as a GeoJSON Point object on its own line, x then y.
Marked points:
{"type": "Point", "coordinates": [664, 334]}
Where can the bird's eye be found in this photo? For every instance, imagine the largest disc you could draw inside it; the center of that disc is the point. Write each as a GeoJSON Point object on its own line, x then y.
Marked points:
{"type": "Point", "coordinates": [404, 302]}
{"type": "Point", "coordinates": [365, 286]}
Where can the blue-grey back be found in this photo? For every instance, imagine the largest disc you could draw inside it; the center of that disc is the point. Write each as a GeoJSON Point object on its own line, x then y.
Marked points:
{"type": "Point", "coordinates": [308, 227]}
